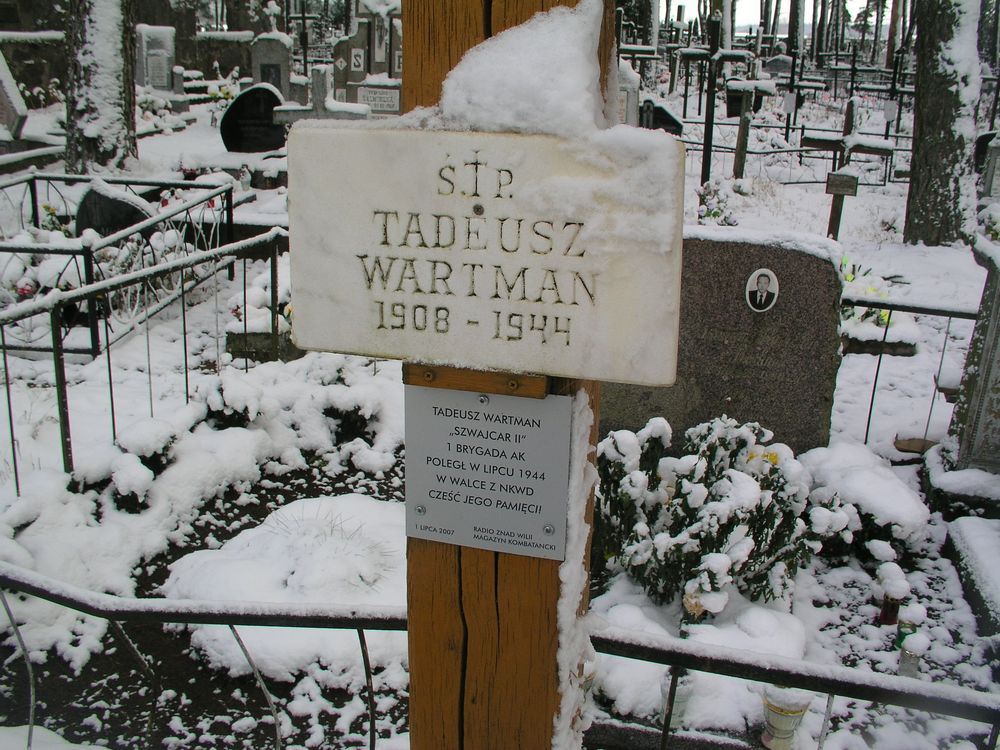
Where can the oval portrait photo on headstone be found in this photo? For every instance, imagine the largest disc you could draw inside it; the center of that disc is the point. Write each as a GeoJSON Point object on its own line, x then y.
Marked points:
{"type": "Point", "coordinates": [762, 290]}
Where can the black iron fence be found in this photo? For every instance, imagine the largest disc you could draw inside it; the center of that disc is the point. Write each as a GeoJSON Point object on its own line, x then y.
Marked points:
{"type": "Point", "coordinates": [681, 655]}
{"type": "Point", "coordinates": [201, 222]}
{"type": "Point", "coordinates": [150, 290]}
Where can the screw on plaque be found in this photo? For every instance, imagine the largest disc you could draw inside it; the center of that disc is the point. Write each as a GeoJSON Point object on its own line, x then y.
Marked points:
{"type": "Point", "coordinates": [549, 529]}
{"type": "Point", "coordinates": [420, 510]}
{"type": "Point", "coordinates": [484, 399]}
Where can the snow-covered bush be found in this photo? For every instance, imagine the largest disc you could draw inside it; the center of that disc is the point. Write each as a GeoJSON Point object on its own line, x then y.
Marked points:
{"type": "Point", "coordinates": [713, 204]}
{"type": "Point", "coordinates": [39, 97]}
{"type": "Point", "coordinates": [732, 511]}
{"type": "Point", "coordinates": [255, 315]}
{"type": "Point", "coordinates": [892, 518]}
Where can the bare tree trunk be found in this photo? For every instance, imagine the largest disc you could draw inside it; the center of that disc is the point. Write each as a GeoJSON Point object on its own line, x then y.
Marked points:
{"type": "Point", "coordinates": [795, 21]}
{"type": "Point", "coordinates": [940, 206]}
{"type": "Point", "coordinates": [831, 24]}
{"type": "Point", "coordinates": [100, 90]}
{"type": "Point", "coordinates": [877, 38]}
{"type": "Point", "coordinates": [987, 31]}
{"type": "Point", "coordinates": [866, 16]}
{"type": "Point", "coordinates": [812, 33]}
{"type": "Point", "coordinates": [820, 45]}
{"type": "Point", "coordinates": [776, 17]}
{"type": "Point", "coordinates": [890, 45]}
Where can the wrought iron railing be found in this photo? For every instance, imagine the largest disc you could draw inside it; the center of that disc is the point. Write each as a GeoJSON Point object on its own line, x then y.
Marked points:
{"type": "Point", "coordinates": [681, 655]}
{"type": "Point", "coordinates": [179, 276]}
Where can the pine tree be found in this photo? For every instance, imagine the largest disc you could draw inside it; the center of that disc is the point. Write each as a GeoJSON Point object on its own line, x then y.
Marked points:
{"type": "Point", "coordinates": [100, 91]}
{"type": "Point", "coordinates": [940, 206]}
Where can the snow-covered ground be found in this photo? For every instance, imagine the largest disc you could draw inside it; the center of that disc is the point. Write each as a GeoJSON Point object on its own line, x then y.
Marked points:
{"type": "Point", "coordinates": [175, 464]}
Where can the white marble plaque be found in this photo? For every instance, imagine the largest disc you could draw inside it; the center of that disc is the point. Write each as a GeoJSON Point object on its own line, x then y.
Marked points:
{"type": "Point", "coordinates": [488, 471]}
{"type": "Point", "coordinates": [380, 99]}
{"type": "Point", "coordinates": [489, 251]}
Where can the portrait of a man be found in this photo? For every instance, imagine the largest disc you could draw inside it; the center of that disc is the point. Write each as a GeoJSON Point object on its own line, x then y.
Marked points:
{"type": "Point", "coordinates": [762, 290]}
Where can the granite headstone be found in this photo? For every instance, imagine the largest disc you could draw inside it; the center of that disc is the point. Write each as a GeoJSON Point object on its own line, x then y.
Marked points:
{"type": "Point", "coordinates": [248, 124]}
{"type": "Point", "coordinates": [154, 56]}
{"type": "Point", "coordinates": [271, 61]}
{"type": "Point", "coordinates": [779, 65]}
{"type": "Point", "coordinates": [976, 419]}
{"type": "Point", "coordinates": [107, 209]}
{"type": "Point", "coordinates": [759, 342]}
{"type": "Point", "coordinates": [13, 110]}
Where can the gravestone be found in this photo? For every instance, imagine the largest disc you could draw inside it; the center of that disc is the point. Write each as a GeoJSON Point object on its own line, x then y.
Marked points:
{"type": "Point", "coordinates": [980, 150]}
{"type": "Point", "coordinates": [108, 209]}
{"type": "Point", "coordinates": [657, 116]}
{"type": "Point", "coordinates": [629, 83]}
{"type": "Point", "coordinates": [779, 65]}
{"type": "Point", "coordinates": [13, 110]}
{"type": "Point", "coordinates": [976, 420]}
{"type": "Point", "coordinates": [154, 56]}
{"type": "Point", "coordinates": [769, 359]}
{"type": "Point", "coordinates": [248, 124]}
{"type": "Point", "coordinates": [271, 61]}
{"type": "Point", "coordinates": [368, 66]}
{"type": "Point", "coordinates": [990, 186]}
{"type": "Point", "coordinates": [322, 105]}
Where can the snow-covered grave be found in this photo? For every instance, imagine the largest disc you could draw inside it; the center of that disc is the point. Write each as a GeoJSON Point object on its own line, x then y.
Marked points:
{"type": "Point", "coordinates": [283, 482]}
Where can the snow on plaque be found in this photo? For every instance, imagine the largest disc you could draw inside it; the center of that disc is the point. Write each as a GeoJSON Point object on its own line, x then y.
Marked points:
{"type": "Point", "coordinates": [525, 253]}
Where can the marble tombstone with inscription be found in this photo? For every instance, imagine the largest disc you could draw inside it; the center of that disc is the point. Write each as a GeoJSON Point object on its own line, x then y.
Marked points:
{"type": "Point", "coordinates": [368, 65]}
{"type": "Point", "coordinates": [492, 254]}
{"type": "Point", "coordinates": [154, 56]}
{"type": "Point", "coordinates": [758, 342]}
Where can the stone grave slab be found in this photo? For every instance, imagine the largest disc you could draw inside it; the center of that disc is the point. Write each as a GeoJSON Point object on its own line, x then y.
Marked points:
{"type": "Point", "coordinates": [767, 356]}
{"type": "Point", "coordinates": [248, 124]}
{"type": "Point", "coordinates": [976, 419]}
{"type": "Point", "coordinates": [778, 65]}
{"type": "Point", "coordinates": [271, 61]}
{"type": "Point", "coordinates": [154, 56]}
{"type": "Point", "coordinates": [108, 209]}
{"type": "Point", "coordinates": [13, 110]}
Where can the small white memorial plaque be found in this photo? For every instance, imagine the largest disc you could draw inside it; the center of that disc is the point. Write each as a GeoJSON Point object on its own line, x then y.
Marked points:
{"type": "Point", "coordinates": [380, 99]}
{"type": "Point", "coordinates": [488, 471]}
{"type": "Point", "coordinates": [521, 253]}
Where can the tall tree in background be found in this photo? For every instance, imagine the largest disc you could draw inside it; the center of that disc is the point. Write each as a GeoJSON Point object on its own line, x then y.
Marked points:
{"type": "Point", "coordinates": [893, 36]}
{"type": "Point", "coordinates": [940, 206]}
{"type": "Point", "coordinates": [989, 50]}
{"type": "Point", "coordinates": [796, 26]}
{"type": "Point", "coordinates": [879, 15]}
{"type": "Point", "coordinates": [819, 43]}
{"type": "Point", "coordinates": [100, 86]}
{"type": "Point", "coordinates": [639, 13]}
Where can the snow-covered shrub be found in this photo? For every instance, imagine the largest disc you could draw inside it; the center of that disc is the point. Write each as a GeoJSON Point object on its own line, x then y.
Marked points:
{"type": "Point", "coordinates": [732, 511]}
{"type": "Point", "coordinates": [713, 204]}
{"type": "Point", "coordinates": [989, 221]}
{"type": "Point", "coordinates": [39, 97]}
{"type": "Point", "coordinates": [256, 314]}
{"type": "Point", "coordinates": [892, 518]}
{"type": "Point", "coordinates": [869, 323]}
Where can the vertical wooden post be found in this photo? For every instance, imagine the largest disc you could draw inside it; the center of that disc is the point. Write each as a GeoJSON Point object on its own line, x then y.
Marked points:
{"type": "Point", "coordinates": [483, 631]}
{"type": "Point", "coordinates": [743, 134]}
